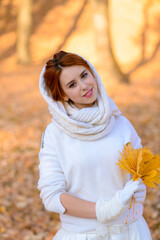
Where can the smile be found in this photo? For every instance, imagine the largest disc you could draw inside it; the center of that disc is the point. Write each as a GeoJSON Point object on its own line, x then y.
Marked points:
{"type": "Point", "coordinates": [89, 93]}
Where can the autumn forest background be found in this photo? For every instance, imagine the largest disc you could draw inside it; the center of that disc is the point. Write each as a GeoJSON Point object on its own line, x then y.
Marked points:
{"type": "Point", "coordinates": [122, 40]}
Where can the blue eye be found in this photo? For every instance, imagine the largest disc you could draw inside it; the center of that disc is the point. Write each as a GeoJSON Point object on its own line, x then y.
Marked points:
{"type": "Point", "coordinates": [84, 75]}
{"type": "Point", "coordinates": [72, 85]}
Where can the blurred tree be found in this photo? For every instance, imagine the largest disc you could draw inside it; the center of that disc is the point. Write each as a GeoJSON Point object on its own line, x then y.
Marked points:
{"type": "Point", "coordinates": [102, 26]}
{"type": "Point", "coordinates": [144, 59]}
{"type": "Point", "coordinates": [24, 26]}
{"type": "Point", "coordinates": [73, 26]}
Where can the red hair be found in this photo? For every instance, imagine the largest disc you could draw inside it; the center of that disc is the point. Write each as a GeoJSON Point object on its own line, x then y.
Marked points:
{"type": "Point", "coordinates": [54, 68]}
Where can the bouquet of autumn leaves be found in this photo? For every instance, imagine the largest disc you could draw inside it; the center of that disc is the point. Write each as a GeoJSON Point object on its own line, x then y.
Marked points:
{"type": "Point", "coordinates": [141, 163]}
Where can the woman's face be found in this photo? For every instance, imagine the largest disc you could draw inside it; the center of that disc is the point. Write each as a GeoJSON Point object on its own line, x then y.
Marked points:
{"type": "Point", "coordinates": [79, 85]}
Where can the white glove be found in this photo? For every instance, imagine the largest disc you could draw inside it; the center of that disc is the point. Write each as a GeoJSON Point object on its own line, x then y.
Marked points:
{"type": "Point", "coordinates": [140, 193]}
{"type": "Point", "coordinates": [109, 210]}
{"type": "Point", "coordinates": [127, 192]}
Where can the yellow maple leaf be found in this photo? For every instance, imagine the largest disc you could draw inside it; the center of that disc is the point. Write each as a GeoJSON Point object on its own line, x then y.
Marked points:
{"type": "Point", "coordinates": [141, 163]}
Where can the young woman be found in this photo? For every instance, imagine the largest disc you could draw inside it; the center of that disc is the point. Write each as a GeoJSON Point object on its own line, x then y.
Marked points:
{"type": "Point", "coordinates": [79, 178]}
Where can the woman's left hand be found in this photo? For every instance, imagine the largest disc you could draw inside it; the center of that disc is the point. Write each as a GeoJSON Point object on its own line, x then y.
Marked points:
{"type": "Point", "coordinates": [140, 193]}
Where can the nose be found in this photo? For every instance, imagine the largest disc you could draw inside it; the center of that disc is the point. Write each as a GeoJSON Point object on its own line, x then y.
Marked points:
{"type": "Point", "coordinates": [83, 86]}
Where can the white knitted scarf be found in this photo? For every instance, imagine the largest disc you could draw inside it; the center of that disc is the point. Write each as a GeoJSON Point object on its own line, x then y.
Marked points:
{"type": "Point", "coordinates": [89, 123]}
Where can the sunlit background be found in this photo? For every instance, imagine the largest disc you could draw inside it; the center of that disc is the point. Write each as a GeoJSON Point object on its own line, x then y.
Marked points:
{"type": "Point", "coordinates": [121, 38]}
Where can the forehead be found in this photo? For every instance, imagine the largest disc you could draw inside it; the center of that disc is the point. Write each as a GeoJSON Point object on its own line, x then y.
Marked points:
{"type": "Point", "coordinates": [70, 73]}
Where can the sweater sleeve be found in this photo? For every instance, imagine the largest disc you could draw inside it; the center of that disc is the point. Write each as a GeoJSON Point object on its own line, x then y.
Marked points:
{"type": "Point", "coordinates": [51, 177]}
{"type": "Point", "coordinates": [135, 139]}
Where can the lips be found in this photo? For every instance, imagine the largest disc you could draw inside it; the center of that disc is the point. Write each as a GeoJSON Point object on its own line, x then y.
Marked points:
{"type": "Point", "coordinates": [87, 92]}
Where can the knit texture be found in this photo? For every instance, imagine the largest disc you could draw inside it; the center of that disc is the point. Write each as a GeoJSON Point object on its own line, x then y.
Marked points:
{"type": "Point", "coordinates": [90, 123]}
{"type": "Point", "coordinates": [109, 210]}
{"type": "Point", "coordinates": [86, 169]}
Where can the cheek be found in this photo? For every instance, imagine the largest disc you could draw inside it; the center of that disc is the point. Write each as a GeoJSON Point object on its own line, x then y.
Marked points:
{"type": "Point", "coordinates": [73, 93]}
{"type": "Point", "coordinates": [96, 86]}
{"type": "Point", "coordinates": [94, 83]}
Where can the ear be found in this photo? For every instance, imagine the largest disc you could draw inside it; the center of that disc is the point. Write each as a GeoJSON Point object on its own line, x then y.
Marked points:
{"type": "Point", "coordinates": [65, 98]}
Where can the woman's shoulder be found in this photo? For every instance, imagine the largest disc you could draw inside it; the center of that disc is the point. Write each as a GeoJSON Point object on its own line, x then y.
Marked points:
{"type": "Point", "coordinates": [129, 132]}
{"type": "Point", "coordinates": [124, 125]}
{"type": "Point", "coordinates": [52, 129]}
{"type": "Point", "coordinates": [126, 122]}
{"type": "Point", "coordinates": [123, 121]}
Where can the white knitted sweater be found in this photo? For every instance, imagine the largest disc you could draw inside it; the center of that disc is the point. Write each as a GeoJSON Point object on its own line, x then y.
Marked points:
{"type": "Point", "coordinates": [86, 169]}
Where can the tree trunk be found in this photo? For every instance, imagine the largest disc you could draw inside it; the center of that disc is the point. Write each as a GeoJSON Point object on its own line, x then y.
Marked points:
{"type": "Point", "coordinates": [24, 26]}
{"type": "Point", "coordinates": [102, 26]}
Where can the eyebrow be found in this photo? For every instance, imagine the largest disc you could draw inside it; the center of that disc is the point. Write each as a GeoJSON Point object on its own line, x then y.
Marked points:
{"type": "Point", "coordinates": [74, 80]}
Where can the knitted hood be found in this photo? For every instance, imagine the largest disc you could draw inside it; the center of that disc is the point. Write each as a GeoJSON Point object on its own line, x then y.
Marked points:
{"type": "Point", "coordinates": [89, 123]}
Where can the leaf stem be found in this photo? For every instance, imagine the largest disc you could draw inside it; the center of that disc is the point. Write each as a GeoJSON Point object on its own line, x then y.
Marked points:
{"type": "Point", "coordinates": [129, 210]}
